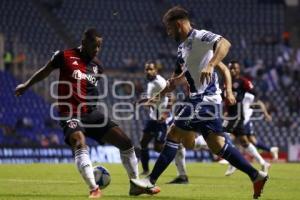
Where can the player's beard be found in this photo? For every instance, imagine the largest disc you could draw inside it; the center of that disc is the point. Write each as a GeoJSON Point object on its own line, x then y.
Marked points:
{"type": "Point", "coordinates": [150, 78]}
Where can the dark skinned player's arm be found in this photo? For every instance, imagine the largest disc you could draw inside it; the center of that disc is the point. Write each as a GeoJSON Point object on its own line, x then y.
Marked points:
{"type": "Point", "coordinates": [39, 75]}
{"type": "Point", "coordinates": [228, 82]}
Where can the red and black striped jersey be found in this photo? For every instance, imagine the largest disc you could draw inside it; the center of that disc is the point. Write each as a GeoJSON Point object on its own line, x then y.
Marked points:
{"type": "Point", "coordinates": [78, 79]}
{"type": "Point", "coordinates": [239, 87]}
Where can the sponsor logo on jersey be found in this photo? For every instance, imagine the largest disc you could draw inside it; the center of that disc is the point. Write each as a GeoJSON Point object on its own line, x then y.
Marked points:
{"type": "Point", "coordinates": [78, 75]}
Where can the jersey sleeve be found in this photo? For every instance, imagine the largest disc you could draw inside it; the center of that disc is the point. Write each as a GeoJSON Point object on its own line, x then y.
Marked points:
{"type": "Point", "coordinates": [209, 38]}
{"type": "Point", "coordinates": [150, 88]}
{"type": "Point", "coordinates": [57, 60]}
{"type": "Point", "coordinates": [248, 86]}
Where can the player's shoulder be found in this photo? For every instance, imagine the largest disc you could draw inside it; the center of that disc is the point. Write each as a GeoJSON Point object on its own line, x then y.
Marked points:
{"type": "Point", "coordinates": [72, 52]}
{"type": "Point", "coordinates": [206, 35]}
{"type": "Point", "coordinates": [160, 79]}
{"type": "Point", "coordinates": [246, 82]}
{"type": "Point", "coordinates": [64, 52]}
{"type": "Point", "coordinates": [245, 79]}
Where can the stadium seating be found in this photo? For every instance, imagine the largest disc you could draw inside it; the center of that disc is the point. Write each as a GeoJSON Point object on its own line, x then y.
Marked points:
{"type": "Point", "coordinates": [133, 29]}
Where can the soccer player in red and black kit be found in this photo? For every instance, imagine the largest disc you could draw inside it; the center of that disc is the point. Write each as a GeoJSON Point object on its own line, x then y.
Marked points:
{"type": "Point", "coordinates": [235, 125]}
{"type": "Point", "coordinates": [79, 72]}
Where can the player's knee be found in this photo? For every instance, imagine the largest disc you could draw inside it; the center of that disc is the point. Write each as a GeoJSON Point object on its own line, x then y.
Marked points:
{"type": "Point", "coordinates": [215, 142]}
{"type": "Point", "coordinates": [125, 144]}
{"type": "Point", "coordinates": [77, 140]}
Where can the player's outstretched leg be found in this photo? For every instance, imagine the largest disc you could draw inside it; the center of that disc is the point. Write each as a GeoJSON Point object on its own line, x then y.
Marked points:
{"type": "Point", "coordinates": [165, 158]}
{"type": "Point", "coordinates": [83, 162]}
{"type": "Point", "coordinates": [145, 152]}
{"type": "Point", "coordinates": [218, 146]}
{"type": "Point", "coordinates": [251, 149]}
{"type": "Point", "coordinates": [182, 177]}
{"type": "Point", "coordinates": [260, 145]}
{"type": "Point", "coordinates": [118, 138]}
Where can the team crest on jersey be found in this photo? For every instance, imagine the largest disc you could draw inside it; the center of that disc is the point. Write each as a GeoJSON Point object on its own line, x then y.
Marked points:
{"type": "Point", "coordinates": [73, 124]}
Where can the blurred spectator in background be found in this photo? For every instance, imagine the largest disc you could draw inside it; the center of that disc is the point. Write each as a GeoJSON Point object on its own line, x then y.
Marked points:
{"type": "Point", "coordinates": [8, 60]}
{"type": "Point", "coordinates": [253, 70]}
{"type": "Point", "coordinates": [52, 124]}
{"type": "Point", "coordinates": [138, 85]}
{"type": "Point", "coordinates": [19, 60]}
{"type": "Point", "coordinates": [260, 82]}
{"type": "Point", "coordinates": [43, 140]}
{"type": "Point", "coordinates": [268, 39]}
{"type": "Point", "coordinates": [53, 139]}
{"type": "Point", "coordinates": [24, 123]}
{"type": "Point", "coordinates": [131, 65]}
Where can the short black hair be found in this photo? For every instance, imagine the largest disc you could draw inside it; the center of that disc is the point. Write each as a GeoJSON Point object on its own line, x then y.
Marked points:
{"type": "Point", "coordinates": [175, 13]}
{"type": "Point", "coordinates": [234, 62]}
{"type": "Point", "coordinates": [149, 62]}
{"type": "Point", "coordinates": [91, 34]}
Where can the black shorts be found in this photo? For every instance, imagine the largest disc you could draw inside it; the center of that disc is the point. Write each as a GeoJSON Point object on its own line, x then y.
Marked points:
{"type": "Point", "coordinates": [249, 128]}
{"type": "Point", "coordinates": [235, 127]}
{"type": "Point", "coordinates": [157, 130]}
{"type": "Point", "coordinates": [93, 125]}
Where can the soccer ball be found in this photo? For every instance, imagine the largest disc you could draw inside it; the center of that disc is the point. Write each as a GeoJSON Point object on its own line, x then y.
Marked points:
{"type": "Point", "coordinates": [102, 176]}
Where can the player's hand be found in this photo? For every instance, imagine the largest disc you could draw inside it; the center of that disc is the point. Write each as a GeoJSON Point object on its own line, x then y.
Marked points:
{"type": "Point", "coordinates": [268, 118]}
{"type": "Point", "coordinates": [163, 117]}
{"type": "Point", "coordinates": [171, 83]}
{"type": "Point", "coordinates": [20, 89]}
{"type": "Point", "coordinates": [206, 74]}
{"type": "Point", "coordinates": [230, 98]}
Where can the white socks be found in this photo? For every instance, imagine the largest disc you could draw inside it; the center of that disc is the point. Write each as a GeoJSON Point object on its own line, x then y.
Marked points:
{"type": "Point", "coordinates": [200, 143]}
{"type": "Point", "coordinates": [253, 151]}
{"type": "Point", "coordinates": [130, 162]}
{"type": "Point", "coordinates": [85, 168]}
{"type": "Point", "coordinates": [180, 161]}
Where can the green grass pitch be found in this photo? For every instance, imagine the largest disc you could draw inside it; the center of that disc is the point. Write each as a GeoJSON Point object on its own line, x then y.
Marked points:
{"type": "Point", "coordinates": [207, 182]}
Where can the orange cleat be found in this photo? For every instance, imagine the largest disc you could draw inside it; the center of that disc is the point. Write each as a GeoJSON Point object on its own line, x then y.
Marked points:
{"type": "Point", "coordinates": [95, 193]}
{"type": "Point", "coordinates": [259, 183]}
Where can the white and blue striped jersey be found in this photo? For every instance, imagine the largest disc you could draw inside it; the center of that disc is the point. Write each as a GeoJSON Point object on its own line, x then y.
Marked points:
{"type": "Point", "coordinates": [194, 54]}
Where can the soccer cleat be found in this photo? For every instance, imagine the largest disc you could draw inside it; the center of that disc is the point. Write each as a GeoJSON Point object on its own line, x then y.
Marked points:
{"type": "Point", "coordinates": [136, 190]}
{"type": "Point", "coordinates": [259, 183]}
{"type": "Point", "coordinates": [95, 193]}
{"type": "Point", "coordinates": [230, 170]}
{"type": "Point", "coordinates": [265, 167]}
{"type": "Point", "coordinates": [182, 179]}
{"type": "Point", "coordinates": [274, 152]}
{"type": "Point", "coordinates": [142, 183]}
{"type": "Point", "coordinates": [223, 162]}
